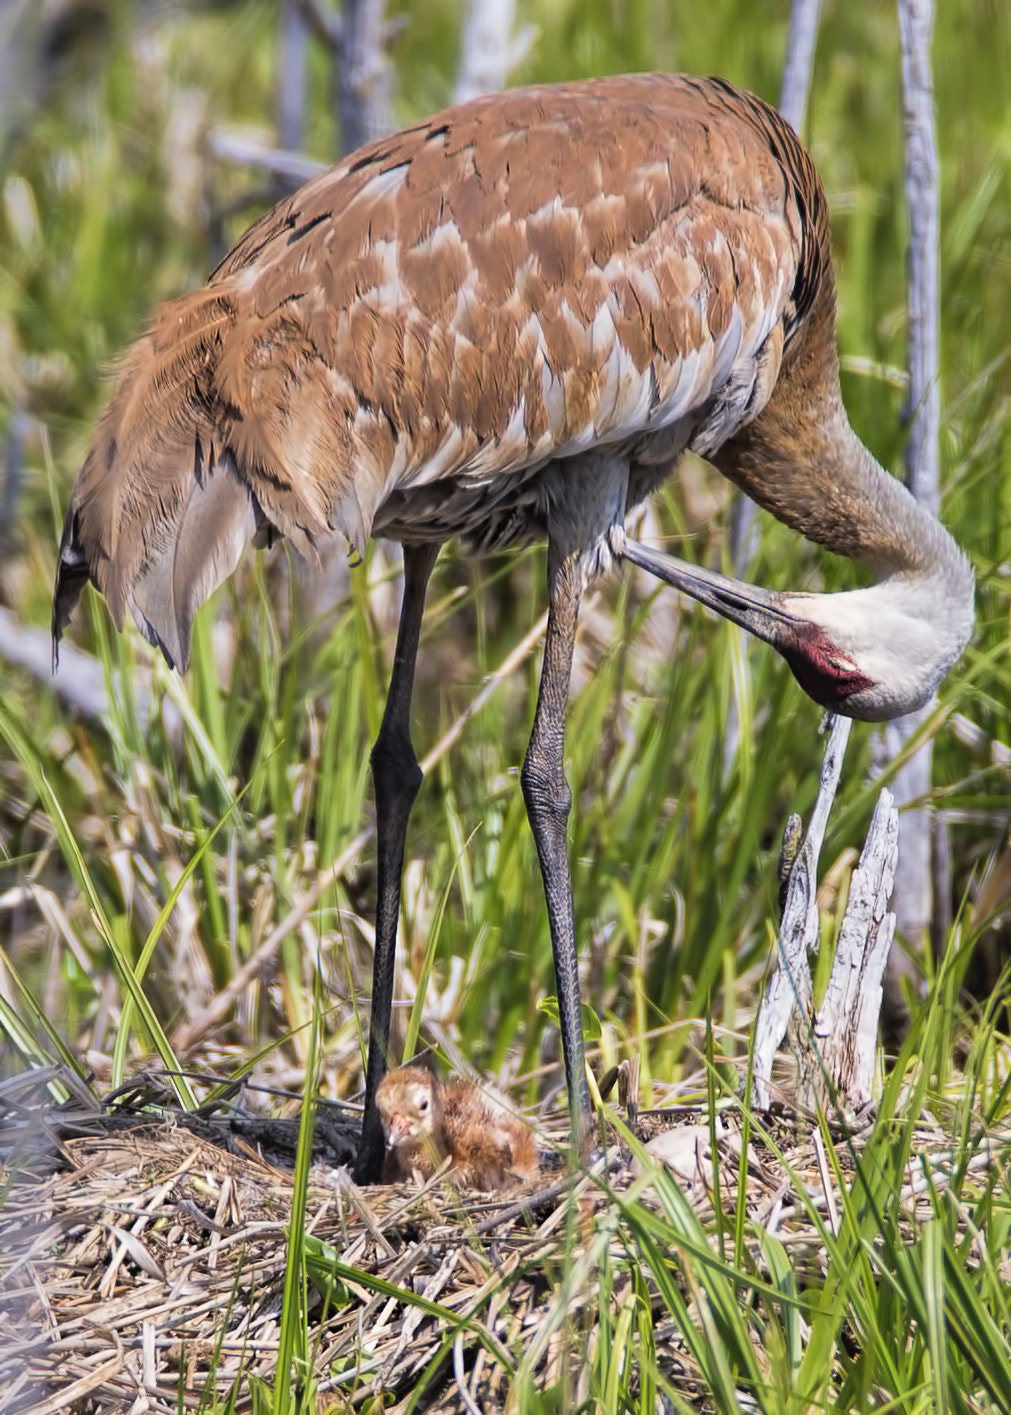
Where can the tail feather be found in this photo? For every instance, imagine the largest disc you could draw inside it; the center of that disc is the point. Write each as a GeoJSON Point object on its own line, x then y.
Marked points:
{"type": "Point", "coordinates": [177, 482]}
{"type": "Point", "coordinates": [219, 520]}
{"type": "Point", "coordinates": [72, 574]}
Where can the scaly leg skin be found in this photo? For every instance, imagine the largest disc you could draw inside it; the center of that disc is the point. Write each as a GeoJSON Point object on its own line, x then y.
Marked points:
{"type": "Point", "coordinates": [397, 778]}
{"type": "Point", "coordinates": [548, 800]}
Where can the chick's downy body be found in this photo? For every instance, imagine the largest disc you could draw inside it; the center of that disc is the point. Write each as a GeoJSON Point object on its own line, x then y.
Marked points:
{"type": "Point", "coordinates": [426, 1121]}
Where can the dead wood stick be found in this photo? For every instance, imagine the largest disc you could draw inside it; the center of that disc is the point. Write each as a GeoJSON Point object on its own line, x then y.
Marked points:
{"type": "Point", "coordinates": [789, 983]}
{"type": "Point", "coordinates": [835, 1049]}
{"type": "Point", "coordinates": [839, 1067]}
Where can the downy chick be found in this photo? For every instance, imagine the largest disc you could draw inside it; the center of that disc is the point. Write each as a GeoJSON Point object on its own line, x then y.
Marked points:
{"type": "Point", "coordinates": [425, 1121]}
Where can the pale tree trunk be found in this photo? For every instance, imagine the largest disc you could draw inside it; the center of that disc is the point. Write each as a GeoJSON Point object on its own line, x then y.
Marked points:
{"type": "Point", "coordinates": [793, 94]}
{"type": "Point", "coordinates": [363, 75]}
{"type": "Point", "coordinates": [835, 1045]}
{"type": "Point", "coordinates": [742, 531]}
{"type": "Point", "coordinates": [356, 40]}
{"type": "Point", "coordinates": [490, 49]}
{"type": "Point", "coordinates": [797, 67]}
{"type": "Point", "coordinates": [913, 902]}
{"type": "Point", "coordinates": [292, 47]}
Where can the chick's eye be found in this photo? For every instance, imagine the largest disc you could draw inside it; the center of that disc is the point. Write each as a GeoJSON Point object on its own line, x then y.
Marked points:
{"type": "Point", "coordinates": [423, 1104]}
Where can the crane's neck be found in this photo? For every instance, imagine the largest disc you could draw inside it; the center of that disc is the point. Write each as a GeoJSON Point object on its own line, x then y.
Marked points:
{"type": "Point", "coordinates": [873, 653]}
{"type": "Point", "coordinates": [816, 476]}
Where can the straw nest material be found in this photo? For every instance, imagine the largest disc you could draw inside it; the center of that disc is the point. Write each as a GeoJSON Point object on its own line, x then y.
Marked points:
{"type": "Point", "coordinates": [144, 1255]}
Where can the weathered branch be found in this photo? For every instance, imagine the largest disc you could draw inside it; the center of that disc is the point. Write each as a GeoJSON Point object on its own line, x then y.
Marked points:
{"type": "Point", "coordinates": [839, 1066]}
{"type": "Point", "coordinates": [921, 184]}
{"type": "Point", "coordinates": [292, 53]}
{"type": "Point", "coordinates": [914, 902]}
{"type": "Point", "coordinates": [80, 684]}
{"type": "Point", "coordinates": [324, 25]}
{"type": "Point", "coordinates": [789, 984]}
{"type": "Point", "coordinates": [742, 529]}
{"type": "Point", "coordinates": [800, 41]}
{"type": "Point", "coordinates": [292, 168]}
{"type": "Point", "coordinates": [363, 78]}
{"type": "Point", "coordinates": [836, 1048]}
{"type": "Point", "coordinates": [490, 48]}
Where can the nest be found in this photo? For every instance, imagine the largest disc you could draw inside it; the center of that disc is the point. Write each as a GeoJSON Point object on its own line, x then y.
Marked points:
{"type": "Point", "coordinates": [145, 1249]}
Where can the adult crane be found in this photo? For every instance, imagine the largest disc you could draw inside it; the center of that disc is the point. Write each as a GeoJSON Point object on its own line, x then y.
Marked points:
{"type": "Point", "coordinates": [503, 324]}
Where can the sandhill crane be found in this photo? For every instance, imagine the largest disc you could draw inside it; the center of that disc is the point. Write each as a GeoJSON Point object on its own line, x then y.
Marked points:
{"type": "Point", "coordinates": [507, 323]}
{"type": "Point", "coordinates": [425, 1121]}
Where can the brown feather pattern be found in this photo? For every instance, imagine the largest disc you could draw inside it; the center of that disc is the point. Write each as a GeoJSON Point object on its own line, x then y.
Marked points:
{"type": "Point", "coordinates": [418, 341]}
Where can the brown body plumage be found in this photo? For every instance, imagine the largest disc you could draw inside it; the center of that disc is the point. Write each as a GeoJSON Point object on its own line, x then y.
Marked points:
{"type": "Point", "coordinates": [426, 1121]}
{"type": "Point", "coordinates": [507, 323]}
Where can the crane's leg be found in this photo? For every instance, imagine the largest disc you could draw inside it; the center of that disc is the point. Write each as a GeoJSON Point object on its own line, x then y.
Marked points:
{"type": "Point", "coordinates": [397, 778]}
{"type": "Point", "coordinates": [548, 800]}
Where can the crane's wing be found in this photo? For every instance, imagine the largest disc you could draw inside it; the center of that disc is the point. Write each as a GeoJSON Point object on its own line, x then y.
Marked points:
{"type": "Point", "coordinates": [433, 320]}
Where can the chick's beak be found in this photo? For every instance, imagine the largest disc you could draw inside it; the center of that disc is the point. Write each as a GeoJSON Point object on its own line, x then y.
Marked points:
{"type": "Point", "coordinates": [397, 1129]}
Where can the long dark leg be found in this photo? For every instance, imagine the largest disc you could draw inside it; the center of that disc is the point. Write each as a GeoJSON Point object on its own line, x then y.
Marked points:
{"type": "Point", "coordinates": [396, 777]}
{"type": "Point", "coordinates": [548, 800]}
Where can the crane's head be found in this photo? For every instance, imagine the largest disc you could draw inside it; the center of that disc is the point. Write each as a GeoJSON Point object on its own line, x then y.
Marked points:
{"type": "Point", "coordinates": [875, 653]}
{"type": "Point", "coordinates": [872, 654]}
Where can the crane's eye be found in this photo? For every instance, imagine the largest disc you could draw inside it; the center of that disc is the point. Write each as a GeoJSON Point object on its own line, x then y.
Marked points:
{"type": "Point", "coordinates": [422, 1105]}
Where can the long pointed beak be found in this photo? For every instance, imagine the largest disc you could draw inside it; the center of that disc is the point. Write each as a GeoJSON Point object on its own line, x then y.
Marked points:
{"type": "Point", "coordinates": [762, 612]}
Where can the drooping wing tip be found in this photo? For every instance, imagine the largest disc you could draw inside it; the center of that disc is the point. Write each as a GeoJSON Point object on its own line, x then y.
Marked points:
{"type": "Point", "coordinates": [72, 574]}
{"type": "Point", "coordinates": [177, 653]}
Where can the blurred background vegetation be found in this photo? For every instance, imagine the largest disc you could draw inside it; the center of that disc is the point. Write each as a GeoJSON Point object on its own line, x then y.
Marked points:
{"type": "Point", "coordinates": [113, 195]}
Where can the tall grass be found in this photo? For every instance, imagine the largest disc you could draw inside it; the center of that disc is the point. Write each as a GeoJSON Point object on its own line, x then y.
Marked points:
{"type": "Point", "coordinates": [144, 858]}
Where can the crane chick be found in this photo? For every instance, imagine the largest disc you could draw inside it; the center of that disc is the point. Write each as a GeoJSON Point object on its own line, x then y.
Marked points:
{"type": "Point", "coordinates": [426, 1121]}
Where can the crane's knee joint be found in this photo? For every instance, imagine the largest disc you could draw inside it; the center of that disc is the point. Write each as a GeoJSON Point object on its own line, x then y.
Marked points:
{"type": "Point", "coordinates": [395, 770]}
{"type": "Point", "coordinates": [545, 792]}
